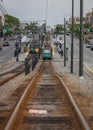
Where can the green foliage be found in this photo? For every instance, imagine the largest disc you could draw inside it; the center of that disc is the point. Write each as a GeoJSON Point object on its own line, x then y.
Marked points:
{"type": "Point", "coordinates": [59, 28]}
{"type": "Point", "coordinates": [11, 21]}
{"type": "Point", "coordinates": [33, 27]}
{"type": "Point", "coordinates": [77, 28]}
{"type": "Point", "coordinates": [87, 25]}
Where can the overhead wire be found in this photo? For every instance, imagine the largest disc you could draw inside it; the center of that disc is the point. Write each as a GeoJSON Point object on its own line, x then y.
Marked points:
{"type": "Point", "coordinates": [3, 9]}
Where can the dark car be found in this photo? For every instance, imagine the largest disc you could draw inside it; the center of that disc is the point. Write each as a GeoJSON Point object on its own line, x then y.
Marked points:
{"type": "Point", "coordinates": [5, 43]}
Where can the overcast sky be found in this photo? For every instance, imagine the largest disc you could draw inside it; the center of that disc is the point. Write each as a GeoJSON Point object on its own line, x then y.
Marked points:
{"type": "Point", "coordinates": [32, 10]}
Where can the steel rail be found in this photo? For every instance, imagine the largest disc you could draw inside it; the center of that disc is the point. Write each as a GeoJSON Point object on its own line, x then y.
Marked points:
{"type": "Point", "coordinates": [17, 108]}
{"type": "Point", "coordinates": [77, 110]}
{"type": "Point", "coordinates": [10, 71]}
{"type": "Point", "coordinates": [10, 77]}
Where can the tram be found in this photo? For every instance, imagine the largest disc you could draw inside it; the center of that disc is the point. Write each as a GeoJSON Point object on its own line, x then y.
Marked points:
{"type": "Point", "coordinates": [47, 53]}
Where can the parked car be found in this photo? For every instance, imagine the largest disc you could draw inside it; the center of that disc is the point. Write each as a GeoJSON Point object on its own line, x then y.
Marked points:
{"type": "Point", "coordinates": [5, 43]}
{"type": "Point", "coordinates": [88, 45]}
{"type": "Point", "coordinates": [56, 43]}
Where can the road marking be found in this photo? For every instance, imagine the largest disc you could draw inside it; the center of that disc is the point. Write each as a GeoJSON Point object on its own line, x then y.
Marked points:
{"type": "Point", "coordinates": [5, 48]}
{"type": "Point", "coordinates": [88, 68]}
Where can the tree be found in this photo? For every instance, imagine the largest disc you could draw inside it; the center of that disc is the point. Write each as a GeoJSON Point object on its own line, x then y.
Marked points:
{"type": "Point", "coordinates": [11, 21]}
{"type": "Point", "coordinates": [88, 26]}
{"type": "Point", "coordinates": [59, 28]}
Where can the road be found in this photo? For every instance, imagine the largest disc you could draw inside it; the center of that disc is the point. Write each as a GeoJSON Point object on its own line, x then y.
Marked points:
{"type": "Point", "coordinates": [7, 53]}
{"type": "Point", "coordinates": [88, 54]}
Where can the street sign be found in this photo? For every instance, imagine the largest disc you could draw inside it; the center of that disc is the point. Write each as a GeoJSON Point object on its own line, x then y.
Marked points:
{"type": "Point", "coordinates": [4, 30]}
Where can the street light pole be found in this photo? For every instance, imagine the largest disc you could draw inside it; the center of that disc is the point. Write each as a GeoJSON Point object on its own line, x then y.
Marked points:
{"type": "Point", "coordinates": [72, 30]}
{"type": "Point", "coordinates": [64, 42]}
{"type": "Point", "coordinates": [46, 14]}
{"type": "Point", "coordinates": [81, 40]}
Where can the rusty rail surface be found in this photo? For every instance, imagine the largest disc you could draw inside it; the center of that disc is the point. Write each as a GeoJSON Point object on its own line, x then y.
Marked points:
{"type": "Point", "coordinates": [5, 77]}
{"type": "Point", "coordinates": [6, 108]}
{"type": "Point", "coordinates": [46, 104]}
{"type": "Point", "coordinates": [12, 70]}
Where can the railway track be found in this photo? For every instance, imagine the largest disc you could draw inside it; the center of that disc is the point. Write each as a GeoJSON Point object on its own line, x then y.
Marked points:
{"type": "Point", "coordinates": [5, 77]}
{"type": "Point", "coordinates": [45, 105]}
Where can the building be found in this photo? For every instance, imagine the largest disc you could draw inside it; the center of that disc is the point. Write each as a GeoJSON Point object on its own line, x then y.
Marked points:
{"type": "Point", "coordinates": [22, 25]}
{"type": "Point", "coordinates": [89, 17]}
{"type": "Point", "coordinates": [76, 20]}
{"type": "Point", "coordinates": [2, 19]}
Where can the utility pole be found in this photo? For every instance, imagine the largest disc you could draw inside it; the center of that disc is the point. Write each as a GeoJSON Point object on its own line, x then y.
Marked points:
{"type": "Point", "coordinates": [81, 40]}
{"type": "Point", "coordinates": [72, 30]}
{"type": "Point", "coordinates": [92, 12]}
{"type": "Point", "coordinates": [92, 20]}
{"type": "Point", "coordinates": [46, 15]}
{"type": "Point", "coordinates": [64, 42]}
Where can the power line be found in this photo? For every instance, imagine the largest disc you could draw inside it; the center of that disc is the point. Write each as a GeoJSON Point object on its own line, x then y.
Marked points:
{"type": "Point", "coordinates": [3, 9]}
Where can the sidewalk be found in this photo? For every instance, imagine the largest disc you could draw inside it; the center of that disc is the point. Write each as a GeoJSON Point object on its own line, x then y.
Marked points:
{"type": "Point", "coordinates": [58, 63]}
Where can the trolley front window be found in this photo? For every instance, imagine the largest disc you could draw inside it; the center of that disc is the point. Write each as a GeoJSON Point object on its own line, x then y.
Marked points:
{"type": "Point", "coordinates": [47, 51]}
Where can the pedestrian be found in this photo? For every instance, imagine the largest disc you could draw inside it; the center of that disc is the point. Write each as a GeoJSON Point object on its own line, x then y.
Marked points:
{"type": "Point", "coordinates": [60, 45]}
{"type": "Point", "coordinates": [26, 66]}
{"type": "Point", "coordinates": [16, 53]}
{"type": "Point", "coordinates": [61, 51]}
{"type": "Point", "coordinates": [33, 61]}
{"type": "Point", "coordinates": [16, 44]}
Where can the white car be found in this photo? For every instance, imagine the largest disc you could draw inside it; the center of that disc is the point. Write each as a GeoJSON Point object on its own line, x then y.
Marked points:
{"type": "Point", "coordinates": [5, 43]}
